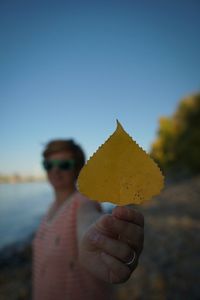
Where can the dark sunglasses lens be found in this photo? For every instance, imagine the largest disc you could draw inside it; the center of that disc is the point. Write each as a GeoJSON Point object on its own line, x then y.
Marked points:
{"type": "Point", "coordinates": [62, 165]}
{"type": "Point", "coordinates": [66, 165]}
{"type": "Point", "coordinates": [47, 165]}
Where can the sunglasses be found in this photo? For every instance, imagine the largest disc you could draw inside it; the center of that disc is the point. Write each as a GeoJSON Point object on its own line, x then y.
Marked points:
{"type": "Point", "coordinates": [63, 165]}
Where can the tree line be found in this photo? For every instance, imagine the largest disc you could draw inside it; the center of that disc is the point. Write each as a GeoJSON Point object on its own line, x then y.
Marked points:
{"type": "Point", "coordinates": [176, 148]}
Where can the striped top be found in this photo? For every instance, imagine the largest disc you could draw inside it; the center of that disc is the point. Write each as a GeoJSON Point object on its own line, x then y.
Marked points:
{"type": "Point", "coordinates": [57, 273]}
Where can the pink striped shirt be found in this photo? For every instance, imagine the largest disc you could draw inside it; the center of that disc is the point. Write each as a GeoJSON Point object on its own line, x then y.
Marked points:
{"type": "Point", "coordinates": [57, 274]}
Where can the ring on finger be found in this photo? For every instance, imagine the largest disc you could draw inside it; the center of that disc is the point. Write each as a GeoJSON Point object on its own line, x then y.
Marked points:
{"type": "Point", "coordinates": [132, 260]}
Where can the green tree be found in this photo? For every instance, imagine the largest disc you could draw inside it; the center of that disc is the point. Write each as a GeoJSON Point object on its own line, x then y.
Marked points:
{"type": "Point", "coordinates": [177, 146]}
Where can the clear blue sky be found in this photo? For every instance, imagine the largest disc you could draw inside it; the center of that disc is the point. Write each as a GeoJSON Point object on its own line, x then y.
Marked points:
{"type": "Point", "coordinates": [70, 68]}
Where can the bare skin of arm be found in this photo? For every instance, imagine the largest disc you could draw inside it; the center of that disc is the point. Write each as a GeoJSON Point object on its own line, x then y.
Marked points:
{"type": "Point", "coordinates": [107, 241]}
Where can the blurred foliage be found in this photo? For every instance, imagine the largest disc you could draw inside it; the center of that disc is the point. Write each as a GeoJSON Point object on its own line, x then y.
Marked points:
{"type": "Point", "coordinates": [177, 147]}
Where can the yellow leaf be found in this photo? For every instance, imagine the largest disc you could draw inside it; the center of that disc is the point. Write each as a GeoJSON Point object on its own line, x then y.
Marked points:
{"type": "Point", "coordinates": [120, 172]}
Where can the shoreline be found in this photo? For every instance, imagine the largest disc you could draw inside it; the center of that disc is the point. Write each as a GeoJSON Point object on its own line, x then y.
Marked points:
{"type": "Point", "coordinates": [22, 180]}
{"type": "Point", "coordinates": [169, 264]}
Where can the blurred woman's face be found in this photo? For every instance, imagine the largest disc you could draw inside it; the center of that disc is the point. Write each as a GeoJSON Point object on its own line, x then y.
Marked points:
{"type": "Point", "coordinates": [61, 178]}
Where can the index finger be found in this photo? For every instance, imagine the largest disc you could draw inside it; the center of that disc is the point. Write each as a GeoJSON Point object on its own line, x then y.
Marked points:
{"type": "Point", "coordinates": [129, 214]}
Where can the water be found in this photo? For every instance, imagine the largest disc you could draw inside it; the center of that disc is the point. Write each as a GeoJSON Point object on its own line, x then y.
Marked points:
{"type": "Point", "coordinates": [21, 209]}
{"type": "Point", "coordinates": [22, 206]}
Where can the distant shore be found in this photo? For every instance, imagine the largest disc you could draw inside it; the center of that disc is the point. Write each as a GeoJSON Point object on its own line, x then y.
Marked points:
{"type": "Point", "coordinates": [17, 178]}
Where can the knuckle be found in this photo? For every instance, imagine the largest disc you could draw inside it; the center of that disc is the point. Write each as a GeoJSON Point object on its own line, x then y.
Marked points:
{"type": "Point", "coordinates": [104, 221]}
{"type": "Point", "coordinates": [94, 236]}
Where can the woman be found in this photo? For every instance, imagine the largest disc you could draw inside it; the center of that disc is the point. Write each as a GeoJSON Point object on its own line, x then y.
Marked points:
{"type": "Point", "coordinates": [79, 251]}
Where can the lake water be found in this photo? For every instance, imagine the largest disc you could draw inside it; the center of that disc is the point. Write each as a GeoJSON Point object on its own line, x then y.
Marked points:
{"type": "Point", "coordinates": [22, 206]}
